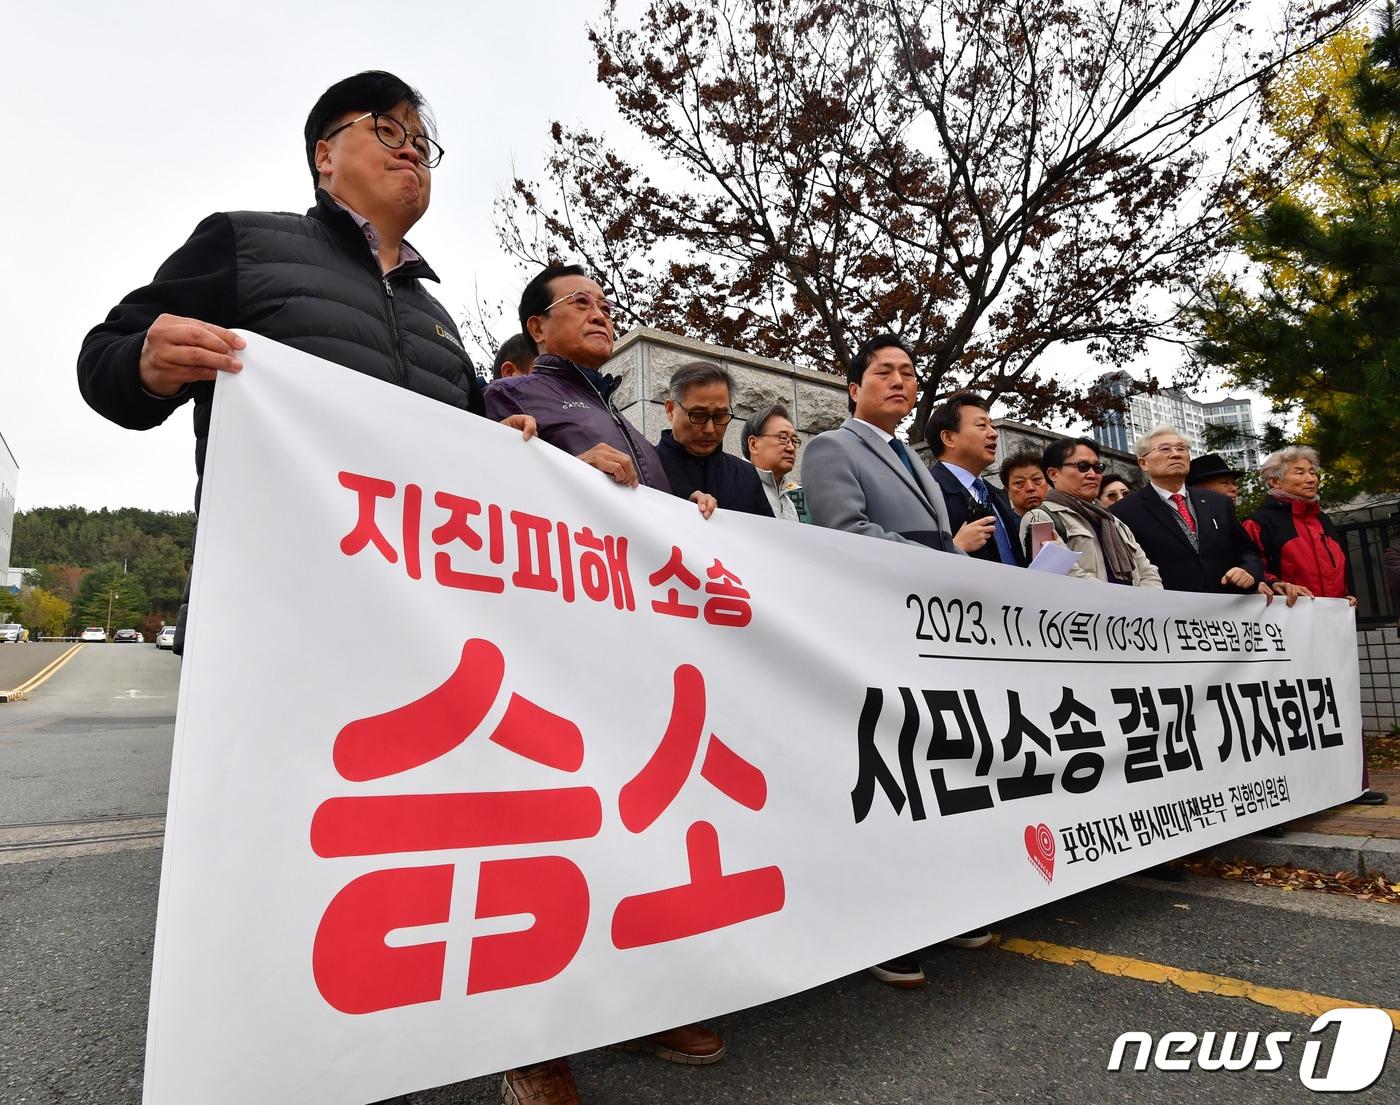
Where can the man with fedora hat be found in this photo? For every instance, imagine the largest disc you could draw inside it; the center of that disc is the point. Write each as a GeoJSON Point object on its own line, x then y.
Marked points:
{"type": "Point", "coordinates": [1209, 472]}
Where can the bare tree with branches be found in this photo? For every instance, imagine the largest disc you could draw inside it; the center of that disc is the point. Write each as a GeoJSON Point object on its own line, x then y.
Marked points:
{"type": "Point", "coordinates": [987, 178]}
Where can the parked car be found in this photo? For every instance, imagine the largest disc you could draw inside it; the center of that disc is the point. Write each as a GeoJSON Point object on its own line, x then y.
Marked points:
{"type": "Point", "coordinates": [11, 634]}
{"type": "Point", "coordinates": [126, 637]}
{"type": "Point", "coordinates": [166, 637]}
{"type": "Point", "coordinates": [94, 633]}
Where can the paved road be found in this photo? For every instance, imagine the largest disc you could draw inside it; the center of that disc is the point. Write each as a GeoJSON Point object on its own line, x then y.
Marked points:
{"type": "Point", "coordinates": [20, 662]}
{"type": "Point", "coordinates": [993, 1026]}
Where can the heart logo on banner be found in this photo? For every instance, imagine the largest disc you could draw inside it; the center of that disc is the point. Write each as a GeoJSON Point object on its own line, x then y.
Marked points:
{"type": "Point", "coordinates": [1040, 847]}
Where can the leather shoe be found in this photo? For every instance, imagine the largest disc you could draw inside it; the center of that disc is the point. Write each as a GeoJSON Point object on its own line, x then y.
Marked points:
{"type": "Point", "coordinates": [549, 1083]}
{"type": "Point", "coordinates": [1371, 798]}
{"type": "Point", "coordinates": [692, 1044]}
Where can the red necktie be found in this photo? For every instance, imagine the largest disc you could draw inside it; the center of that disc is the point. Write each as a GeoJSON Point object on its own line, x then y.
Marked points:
{"type": "Point", "coordinates": [1180, 502]}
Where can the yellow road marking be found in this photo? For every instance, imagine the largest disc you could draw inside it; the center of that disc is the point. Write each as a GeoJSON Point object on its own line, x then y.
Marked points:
{"type": "Point", "coordinates": [33, 682]}
{"type": "Point", "coordinates": [1193, 982]}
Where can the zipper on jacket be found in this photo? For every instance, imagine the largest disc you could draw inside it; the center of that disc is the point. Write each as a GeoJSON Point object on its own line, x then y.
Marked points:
{"type": "Point", "coordinates": [621, 426]}
{"type": "Point", "coordinates": [400, 371]}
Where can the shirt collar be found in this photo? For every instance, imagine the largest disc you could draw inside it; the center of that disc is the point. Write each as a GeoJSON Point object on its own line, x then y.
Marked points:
{"type": "Point", "coordinates": [407, 254]}
{"type": "Point", "coordinates": [887, 436]}
{"type": "Point", "coordinates": [1167, 495]}
{"type": "Point", "coordinates": [965, 477]}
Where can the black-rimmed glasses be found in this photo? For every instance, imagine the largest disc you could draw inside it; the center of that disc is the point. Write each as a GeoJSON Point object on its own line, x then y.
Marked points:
{"type": "Point", "coordinates": [721, 419]}
{"type": "Point", "coordinates": [394, 134]}
{"type": "Point", "coordinates": [1087, 465]}
{"type": "Point", "coordinates": [784, 438]}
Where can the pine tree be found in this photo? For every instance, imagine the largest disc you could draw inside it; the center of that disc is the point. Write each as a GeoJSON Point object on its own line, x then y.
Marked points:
{"type": "Point", "coordinates": [1314, 323]}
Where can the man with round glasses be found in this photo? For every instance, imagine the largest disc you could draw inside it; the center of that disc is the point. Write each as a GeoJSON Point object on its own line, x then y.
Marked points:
{"type": "Point", "coordinates": [340, 282]}
{"type": "Point", "coordinates": [700, 408]}
{"type": "Point", "coordinates": [771, 442]}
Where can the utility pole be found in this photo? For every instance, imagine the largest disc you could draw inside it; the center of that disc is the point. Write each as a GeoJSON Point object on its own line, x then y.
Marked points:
{"type": "Point", "coordinates": [111, 595]}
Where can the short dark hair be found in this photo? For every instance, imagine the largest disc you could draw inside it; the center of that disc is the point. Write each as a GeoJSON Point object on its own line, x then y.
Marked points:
{"type": "Point", "coordinates": [948, 416]}
{"type": "Point", "coordinates": [699, 372]}
{"type": "Point", "coordinates": [1025, 459]}
{"type": "Point", "coordinates": [755, 426]}
{"type": "Point", "coordinates": [515, 349]}
{"type": "Point", "coordinates": [372, 90]}
{"type": "Point", "coordinates": [1057, 451]}
{"type": "Point", "coordinates": [535, 299]}
{"type": "Point", "coordinates": [855, 371]}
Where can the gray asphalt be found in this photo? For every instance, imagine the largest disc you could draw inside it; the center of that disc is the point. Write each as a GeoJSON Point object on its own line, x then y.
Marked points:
{"type": "Point", "coordinates": [991, 1026]}
{"type": "Point", "coordinates": [94, 740]}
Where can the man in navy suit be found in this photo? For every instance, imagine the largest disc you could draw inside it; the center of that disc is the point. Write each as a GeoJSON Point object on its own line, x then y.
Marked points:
{"type": "Point", "coordinates": [1192, 536]}
{"type": "Point", "coordinates": [962, 437]}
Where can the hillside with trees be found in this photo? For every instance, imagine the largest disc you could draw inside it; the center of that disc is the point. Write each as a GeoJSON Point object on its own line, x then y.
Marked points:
{"type": "Point", "coordinates": [85, 562]}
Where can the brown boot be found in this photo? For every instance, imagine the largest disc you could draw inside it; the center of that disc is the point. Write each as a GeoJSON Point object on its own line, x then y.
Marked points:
{"type": "Point", "coordinates": [549, 1083]}
{"type": "Point", "coordinates": [693, 1044]}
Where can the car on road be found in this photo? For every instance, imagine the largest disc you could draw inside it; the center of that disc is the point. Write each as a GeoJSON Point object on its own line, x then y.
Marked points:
{"type": "Point", "coordinates": [126, 637]}
{"type": "Point", "coordinates": [11, 633]}
{"type": "Point", "coordinates": [166, 637]}
{"type": "Point", "coordinates": [94, 633]}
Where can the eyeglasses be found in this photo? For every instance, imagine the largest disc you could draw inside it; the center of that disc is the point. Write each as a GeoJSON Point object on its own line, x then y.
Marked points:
{"type": "Point", "coordinates": [394, 134]}
{"type": "Point", "coordinates": [785, 438]}
{"type": "Point", "coordinates": [721, 419]}
{"type": "Point", "coordinates": [1170, 450]}
{"type": "Point", "coordinates": [1087, 465]}
{"type": "Point", "coordinates": [585, 301]}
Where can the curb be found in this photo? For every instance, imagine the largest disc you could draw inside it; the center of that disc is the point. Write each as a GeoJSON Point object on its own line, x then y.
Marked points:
{"type": "Point", "coordinates": [37, 680]}
{"type": "Point", "coordinates": [1364, 855]}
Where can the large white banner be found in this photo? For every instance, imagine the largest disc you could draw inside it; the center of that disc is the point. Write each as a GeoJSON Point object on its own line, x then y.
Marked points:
{"type": "Point", "coordinates": [482, 759]}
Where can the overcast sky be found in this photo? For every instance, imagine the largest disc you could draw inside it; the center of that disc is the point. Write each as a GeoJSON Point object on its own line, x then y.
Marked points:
{"type": "Point", "coordinates": [148, 116]}
{"type": "Point", "coordinates": [144, 117]}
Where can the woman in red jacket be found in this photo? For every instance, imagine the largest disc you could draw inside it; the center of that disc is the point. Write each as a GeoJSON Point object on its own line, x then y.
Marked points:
{"type": "Point", "coordinates": [1300, 544]}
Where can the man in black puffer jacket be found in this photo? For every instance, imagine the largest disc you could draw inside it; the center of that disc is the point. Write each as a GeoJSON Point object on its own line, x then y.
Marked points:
{"type": "Point", "coordinates": [339, 282]}
{"type": "Point", "coordinates": [699, 408]}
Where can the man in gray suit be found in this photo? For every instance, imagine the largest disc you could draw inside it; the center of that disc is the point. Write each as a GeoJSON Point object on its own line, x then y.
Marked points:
{"type": "Point", "coordinates": [861, 478]}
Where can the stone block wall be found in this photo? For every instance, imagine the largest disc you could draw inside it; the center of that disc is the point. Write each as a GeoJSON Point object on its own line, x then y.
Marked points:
{"type": "Point", "coordinates": [645, 359]}
{"type": "Point", "coordinates": [1379, 651]}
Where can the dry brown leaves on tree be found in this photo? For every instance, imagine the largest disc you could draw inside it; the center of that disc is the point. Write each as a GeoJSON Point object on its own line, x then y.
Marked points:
{"type": "Point", "coordinates": [1365, 888]}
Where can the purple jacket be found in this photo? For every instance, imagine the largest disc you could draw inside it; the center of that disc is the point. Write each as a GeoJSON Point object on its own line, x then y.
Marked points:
{"type": "Point", "coordinates": [574, 413]}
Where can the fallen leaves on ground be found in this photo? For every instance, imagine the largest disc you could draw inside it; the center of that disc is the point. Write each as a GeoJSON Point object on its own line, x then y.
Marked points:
{"type": "Point", "coordinates": [1365, 888]}
{"type": "Point", "coordinates": [1382, 752]}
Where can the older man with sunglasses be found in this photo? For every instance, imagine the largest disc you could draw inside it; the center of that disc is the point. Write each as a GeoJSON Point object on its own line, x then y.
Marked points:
{"type": "Point", "coordinates": [1108, 550]}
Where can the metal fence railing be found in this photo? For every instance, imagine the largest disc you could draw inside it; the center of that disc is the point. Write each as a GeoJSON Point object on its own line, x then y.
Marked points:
{"type": "Point", "coordinates": [1365, 544]}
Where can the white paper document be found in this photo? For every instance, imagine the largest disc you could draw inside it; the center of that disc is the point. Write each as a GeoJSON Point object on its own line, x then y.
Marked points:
{"type": "Point", "coordinates": [1055, 559]}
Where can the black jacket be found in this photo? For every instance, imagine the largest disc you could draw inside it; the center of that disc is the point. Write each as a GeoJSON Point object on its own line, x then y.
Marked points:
{"type": "Point", "coordinates": [1224, 544]}
{"type": "Point", "coordinates": [959, 499]}
{"type": "Point", "coordinates": [733, 482]}
{"type": "Point", "coordinates": [309, 281]}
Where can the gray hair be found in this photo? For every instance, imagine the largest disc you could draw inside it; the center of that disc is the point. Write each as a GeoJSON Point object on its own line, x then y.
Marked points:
{"type": "Point", "coordinates": [1143, 445]}
{"type": "Point", "coordinates": [754, 426]}
{"type": "Point", "coordinates": [696, 373]}
{"type": "Point", "coordinates": [1277, 463]}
